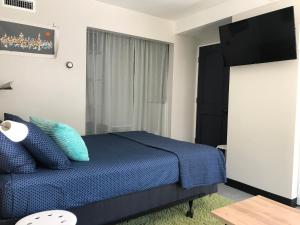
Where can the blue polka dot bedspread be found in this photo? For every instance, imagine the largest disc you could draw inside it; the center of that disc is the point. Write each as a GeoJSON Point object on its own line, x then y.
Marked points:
{"type": "Point", "coordinates": [120, 164]}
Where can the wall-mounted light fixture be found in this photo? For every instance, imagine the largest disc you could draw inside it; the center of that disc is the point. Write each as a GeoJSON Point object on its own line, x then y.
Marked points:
{"type": "Point", "coordinates": [69, 65]}
{"type": "Point", "coordinates": [6, 86]}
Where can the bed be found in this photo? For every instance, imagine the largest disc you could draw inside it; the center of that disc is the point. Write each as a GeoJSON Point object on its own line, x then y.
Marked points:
{"type": "Point", "coordinates": [129, 174]}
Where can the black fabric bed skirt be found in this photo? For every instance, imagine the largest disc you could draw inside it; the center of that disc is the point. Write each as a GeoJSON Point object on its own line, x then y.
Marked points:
{"type": "Point", "coordinates": [112, 211]}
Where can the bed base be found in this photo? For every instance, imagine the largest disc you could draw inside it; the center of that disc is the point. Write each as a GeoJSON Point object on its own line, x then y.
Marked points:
{"type": "Point", "coordinates": [126, 207]}
{"type": "Point", "coordinates": [190, 212]}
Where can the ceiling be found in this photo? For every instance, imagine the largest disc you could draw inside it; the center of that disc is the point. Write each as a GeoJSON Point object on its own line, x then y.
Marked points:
{"type": "Point", "coordinates": [168, 9]}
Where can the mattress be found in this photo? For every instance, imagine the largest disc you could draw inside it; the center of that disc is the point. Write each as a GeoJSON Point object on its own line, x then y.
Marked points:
{"type": "Point", "coordinates": [117, 166]}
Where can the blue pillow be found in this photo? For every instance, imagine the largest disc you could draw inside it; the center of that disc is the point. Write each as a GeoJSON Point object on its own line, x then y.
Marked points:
{"type": "Point", "coordinates": [12, 117]}
{"type": "Point", "coordinates": [41, 146]}
{"type": "Point", "coordinates": [14, 158]}
{"type": "Point", "coordinates": [65, 136]}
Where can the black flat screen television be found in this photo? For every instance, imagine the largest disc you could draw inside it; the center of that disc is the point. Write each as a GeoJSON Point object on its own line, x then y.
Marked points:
{"type": "Point", "coordinates": [266, 38]}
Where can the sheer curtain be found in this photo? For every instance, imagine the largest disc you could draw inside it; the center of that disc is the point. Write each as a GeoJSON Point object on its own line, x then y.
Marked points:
{"type": "Point", "coordinates": [126, 84]}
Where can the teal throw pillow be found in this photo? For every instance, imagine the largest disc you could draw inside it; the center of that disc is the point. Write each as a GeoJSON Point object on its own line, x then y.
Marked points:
{"type": "Point", "coordinates": [68, 139]}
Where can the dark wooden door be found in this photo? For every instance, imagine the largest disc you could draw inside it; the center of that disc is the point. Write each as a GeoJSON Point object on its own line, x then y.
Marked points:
{"type": "Point", "coordinates": [212, 100]}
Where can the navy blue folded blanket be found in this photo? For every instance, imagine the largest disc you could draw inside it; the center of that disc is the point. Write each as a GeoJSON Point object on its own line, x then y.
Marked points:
{"type": "Point", "coordinates": [199, 164]}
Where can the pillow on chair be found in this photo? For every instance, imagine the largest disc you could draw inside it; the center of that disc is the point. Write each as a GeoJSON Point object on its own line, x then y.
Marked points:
{"type": "Point", "coordinates": [14, 158]}
{"type": "Point", "coordinates": [65, 136]}
{"type": "Point", "coordinates": [41, 146]}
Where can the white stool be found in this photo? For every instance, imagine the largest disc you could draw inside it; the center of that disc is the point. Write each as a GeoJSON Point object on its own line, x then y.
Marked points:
{"type": "Point", "coordinates": [52, 217]}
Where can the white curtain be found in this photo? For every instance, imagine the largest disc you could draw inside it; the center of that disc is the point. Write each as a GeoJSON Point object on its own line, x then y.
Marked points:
{"type": "Point", "coordinates": [126, 84]}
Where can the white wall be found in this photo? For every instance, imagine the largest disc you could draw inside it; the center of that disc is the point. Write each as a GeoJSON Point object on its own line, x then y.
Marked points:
{"type": "Point", "coordinates": [262, 121]}
{"type": "Point", "coordinates": [184, 84]}
{"type": "Point", "coordinates": [209, 35]}
{"type": "Point", "coordinates": [46, 88]}
{"type": "Point", "coordinates": [216, 13]}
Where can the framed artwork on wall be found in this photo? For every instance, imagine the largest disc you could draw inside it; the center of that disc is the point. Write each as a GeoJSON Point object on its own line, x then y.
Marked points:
{"type": "Point", "coordinates": [26, 39]}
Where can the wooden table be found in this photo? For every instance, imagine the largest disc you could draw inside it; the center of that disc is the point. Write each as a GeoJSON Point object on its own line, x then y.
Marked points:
{"type": "Point", "coordinates": [258, 211]}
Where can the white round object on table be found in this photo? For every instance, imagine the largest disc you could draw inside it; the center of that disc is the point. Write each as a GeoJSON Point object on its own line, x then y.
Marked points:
{"type": "Point", "coordinates": [52, 217]}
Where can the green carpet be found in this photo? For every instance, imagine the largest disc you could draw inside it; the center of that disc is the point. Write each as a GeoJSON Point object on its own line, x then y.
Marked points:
{"type": "Point", "coordinates": [176, 215]}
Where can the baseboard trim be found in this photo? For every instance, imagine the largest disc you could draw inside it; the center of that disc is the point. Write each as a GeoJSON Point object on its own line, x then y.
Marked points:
{"type": "Point", "coordinates": [255, 191]}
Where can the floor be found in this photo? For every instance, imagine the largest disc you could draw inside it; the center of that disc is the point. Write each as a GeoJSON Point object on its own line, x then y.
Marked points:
{"type": "Point", "coordinates": [233, 194]}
